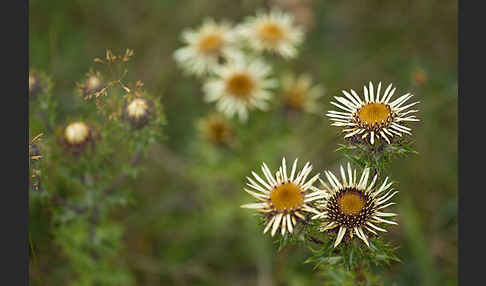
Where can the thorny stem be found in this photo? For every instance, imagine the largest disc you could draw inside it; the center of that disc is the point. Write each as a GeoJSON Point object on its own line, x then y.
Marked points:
{"type": "Point", "coordinates": [62, 202]}
{"type": "Point", "coordinates": [95, 213]}
{"type": "Point", "coordinates": [46, 121]}
{"type": "Point", "coordinates": [133, 162]}
{"type": "Point", "coordinates": [316, 240]}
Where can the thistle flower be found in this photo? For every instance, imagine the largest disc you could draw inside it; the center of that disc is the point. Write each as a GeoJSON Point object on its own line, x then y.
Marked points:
{"type": "Point", "coordinates": [374, 118]}
{"type": "Point", "coordinates": [274, 31]}
{"type": "Point", "coordinates": [91, 85]}
{"type": "Point", "coordinates": [35, 83]}
{"type": "Point", "coordinates": [76, 136]}
{"type": "Point", "coordinates": [299, 94]}
{"type": "Point", "coordinates": [216, 129]}
{"type": "Point", "coordinates": [205, 47]}
{"type": "Point", "coordinates": [137, 111]}
{"type": "Point", "coordinates": [239, 85]}
{"type": "Point", "coordinates": [284, 198]}
{"type": "Point", "coordinates": [354, 207]}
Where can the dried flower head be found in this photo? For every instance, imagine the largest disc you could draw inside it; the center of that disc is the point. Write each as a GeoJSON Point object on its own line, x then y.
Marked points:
{"type": "Point", "coordinates": [35, 84]}
{"type": "Point", "coordinates": [274, 31]}
{"type": "Point", "coordinates": [138, 111]}
{"type": "Point", "coordinates": [354, 206]}
{"type": "Point", "coordinates": [76, 136]}
{"type": "Point", "coordinates": [35, 155]}
{"type": "Point", "coordinates": [92, 85]}
{"type": "Point", "coordinates": [205, 47]}
{"type": "Point", "coordinates": [284, 199]}
{"type": "Point", "coordinates": [216, 129]}
{"type": "Point", "coordinates": [34, 149]}
{"type": "Point", "coordinates": [239, 85]}
{"type": "Point", "coordinates": [374, 118]}
{"type": "Point", "coordinates": [299, 94]}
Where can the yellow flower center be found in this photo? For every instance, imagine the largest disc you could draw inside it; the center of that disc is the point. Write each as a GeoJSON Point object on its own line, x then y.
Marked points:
{"type": "Point", "coordinates": [76, 133]}
{"type": "Point", "coordinates": [271, 33]}
{"type": "Point", "coordinates": [240, 85]}
{"type": "Point", "coordinates": [287, 197]}
{"type": "Point", "coordinates": [373, 112]}
{"type": "Point", "coordinates": [210, 44]}
{"type": "Point", "coordinates": [351, 203]}
{"type": "Point", "coordinates": [137, 108]}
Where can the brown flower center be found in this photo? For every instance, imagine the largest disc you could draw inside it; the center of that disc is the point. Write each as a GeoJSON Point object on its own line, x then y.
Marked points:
{"type": "Point", "coordinates": [240, 85]}
{"type": "Point", "coordinates": [287, 197]}
{"type": "Point", "coordinates": [271, 33]}
{"type": "Point", "coordinates": [351, 203]}
{"type": "Point", "coordinates": [210, 44]}
{"type": "Point", "coordinates": [374, 112]}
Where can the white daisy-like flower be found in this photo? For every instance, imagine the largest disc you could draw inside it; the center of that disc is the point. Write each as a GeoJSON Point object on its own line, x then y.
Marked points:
{"type": "Point", "coordinates": [240, 84]}
{"type": "Point", "coordinates": [285, 197]}
{"type": "Point", "coordinates": [374, 118]}
{"type": "Point", "coordinates": [205, 47]}
{"type": "Point", "coordinates": [274, 31]}
{"type": "Point", "coordinates": [355, 206]}
{"type": "Point", "coordinates": [298, 93]}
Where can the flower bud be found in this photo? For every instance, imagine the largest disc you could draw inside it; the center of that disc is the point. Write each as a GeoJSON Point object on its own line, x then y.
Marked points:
{"type": "Point", "coordinates": [138, 111]}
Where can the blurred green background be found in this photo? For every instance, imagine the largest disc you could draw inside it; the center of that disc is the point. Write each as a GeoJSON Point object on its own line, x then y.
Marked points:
{"type": "Point", "coordinates": [186, 226]}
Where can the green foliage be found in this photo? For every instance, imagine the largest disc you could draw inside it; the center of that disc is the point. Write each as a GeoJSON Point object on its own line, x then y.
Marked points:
{"type": "Point", "coordinates": [378, 156]}
{"type": "Point", "coordinates": [81, 185]}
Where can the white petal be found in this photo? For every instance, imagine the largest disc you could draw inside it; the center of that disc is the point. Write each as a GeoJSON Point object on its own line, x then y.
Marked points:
{"type": "Point", "coordinates": [255, 186]}
{"type": "Point", "coordinates": [340, 236]}
{"type": "Point", "coordinates": [260, 180]}
{"type": "Point", "coordinates": [384, 220]}
{"type": "Point", "coordinates": [385, 214]}
{"type": "Point", "coordinates": [382, 200]}
{"type": "Point", "coordinates": [284, 225]}
{"type": "Point", "coordinates": [372, 96]}
{"type": "Point", "coordinates": [361, 235]}
{"type": "Point", "coordinates": [289, 224]}
{"type": "Point", "coordinates": [336, 180]}
{"type": "Point", "coordinates": [292, 173]}
{"type": "Point", "coordinates": [258, 196]}
{"type": "Point", "coordinates": [330, 225]}
{"type": "Point", "coordinates": [268, 174]}
{"type": "Point", "coordinates": [284, 168]}
{"type": "Point", "coordinates": [375, 227]}
{"type": "Point", "coordinates": [254, 206]}
{"type": "Point", "coordinates": [350, 173]}
{"type": "Point", "coordinates": [386, 92]}
{"type": "Point", "coordinates": [276, 224]}
{"type": "Point", "coordinates": [343, 176]}
{"type": "Point", "coordinates": [269, 224]}
{"type": "Point", "coordinates": [365, 91]}
{"type": "Point", "coordinates": [377, 97]}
